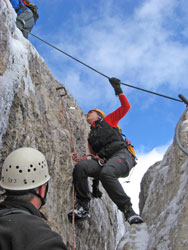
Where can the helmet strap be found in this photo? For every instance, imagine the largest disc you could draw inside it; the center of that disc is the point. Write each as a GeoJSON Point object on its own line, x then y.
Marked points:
{"type": "Point", "coordinates": [43, 199]}
{"type": "Point", "coordinates": [30, 191]}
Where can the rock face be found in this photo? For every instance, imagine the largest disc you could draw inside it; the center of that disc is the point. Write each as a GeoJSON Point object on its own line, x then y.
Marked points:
{"type": "Point", "coordinates": [164, 197]}
{"type": "Point", "coordinates": [4, 41]}
{"type": "Point", "coordinates": [33, 113]}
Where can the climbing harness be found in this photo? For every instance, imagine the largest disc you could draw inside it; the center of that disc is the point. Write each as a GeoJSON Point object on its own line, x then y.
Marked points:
{"type": "Point", "coordinates": [96, 157]}
{"type": "Point", "coordinates": [177, 136]}
{"type": "Point", "coordinates": [100, 73]}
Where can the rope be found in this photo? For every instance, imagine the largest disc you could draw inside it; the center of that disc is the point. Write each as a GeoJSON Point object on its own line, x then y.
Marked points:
{"type": "Point", "coordinates": [74, 156]}
{"type": "Point", "coordinates": [131, 172]}
{"type": "Point", "coordinates": [100, 73]}
{"type": "Point", "coordinates": [73, 144]}
{"type": "Point", "coordinates": [73, 236]}
{"type": "Point", "coordinates": [72, 57]}
{"type": "Point", "coordinates": [96, 157]}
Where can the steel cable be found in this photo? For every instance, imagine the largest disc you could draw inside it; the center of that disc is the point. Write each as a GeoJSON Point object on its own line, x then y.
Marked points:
{"type": "Point", "coordinates": [86, 65]}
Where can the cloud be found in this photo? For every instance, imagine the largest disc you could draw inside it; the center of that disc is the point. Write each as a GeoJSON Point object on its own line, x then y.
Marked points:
{"type": "Point", "coordinates": [145, 160]}
{"type": "Point", "coordinates": [139, 48]}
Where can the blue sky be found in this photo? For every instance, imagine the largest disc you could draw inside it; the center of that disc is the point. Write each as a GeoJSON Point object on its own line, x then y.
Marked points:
{"type": "Point", "coordinates": [143, 43]}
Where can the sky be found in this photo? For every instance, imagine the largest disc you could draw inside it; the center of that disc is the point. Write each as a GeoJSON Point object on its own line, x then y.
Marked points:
{"type": "Point", "coordinates": [142, 42]}
{"type": "Point", "coordinates": [131, 184]}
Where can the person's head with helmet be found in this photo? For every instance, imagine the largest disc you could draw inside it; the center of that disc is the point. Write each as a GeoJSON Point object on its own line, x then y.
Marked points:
{"type": "Point", "coordinates": [94, 114]}
{"type": "Point", "coordinates": [25, 176]}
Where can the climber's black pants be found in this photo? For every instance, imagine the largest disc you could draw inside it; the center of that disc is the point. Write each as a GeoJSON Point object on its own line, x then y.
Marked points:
{"type": "Point", "coordinates": [117, 166]}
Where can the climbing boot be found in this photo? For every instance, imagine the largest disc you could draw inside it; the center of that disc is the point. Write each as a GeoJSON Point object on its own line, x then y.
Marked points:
{"type": "Point", "coordinates": [81, 211]}
{"type": "Point", "coordinates": [132, 217]}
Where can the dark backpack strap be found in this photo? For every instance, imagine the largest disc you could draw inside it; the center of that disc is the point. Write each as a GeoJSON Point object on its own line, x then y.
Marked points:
{"type": "Point", "coordinates": [33, 8]}
{"type": "Point", "coordinates": [24, 7]}
{"type": "Point", "coordinates": [6, 211]}
{"type": "Point", "coordinates": [21, 6]}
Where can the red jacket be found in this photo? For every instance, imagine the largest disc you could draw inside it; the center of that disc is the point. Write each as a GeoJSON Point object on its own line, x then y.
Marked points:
{"type": "Point", "coordinates": [113, 118]}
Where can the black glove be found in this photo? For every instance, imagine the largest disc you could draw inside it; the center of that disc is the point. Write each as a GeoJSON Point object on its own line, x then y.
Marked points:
{"type": "Point", "coordinates": [116, 85]}
{"type": "Point", "coordinates": [95, 189]}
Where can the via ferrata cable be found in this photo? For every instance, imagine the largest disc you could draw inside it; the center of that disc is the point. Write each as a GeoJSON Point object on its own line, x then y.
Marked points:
{"type": "Point", "coordinates": [86, 65]}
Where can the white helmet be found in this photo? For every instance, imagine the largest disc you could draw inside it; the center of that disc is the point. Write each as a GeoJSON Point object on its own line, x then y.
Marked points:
{"type": "Point", "coordinates": [23, 169]}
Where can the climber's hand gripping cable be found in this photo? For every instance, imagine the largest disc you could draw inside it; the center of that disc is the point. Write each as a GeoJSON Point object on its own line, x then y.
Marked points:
{"type": "Point", "coordinates": [116, 85]}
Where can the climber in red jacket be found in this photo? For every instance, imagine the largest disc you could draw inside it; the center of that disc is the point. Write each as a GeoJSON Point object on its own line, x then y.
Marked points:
{"type": "Point", "coordinates": [105, 141]}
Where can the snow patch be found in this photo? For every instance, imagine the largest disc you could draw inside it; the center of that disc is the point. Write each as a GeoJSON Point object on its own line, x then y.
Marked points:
{"type": "Point", "coordinates": [121, 227]}
{"type": "Point", "coordinates": [17, 71]}
{"type": "Point", "coordinates": [136, 237]}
